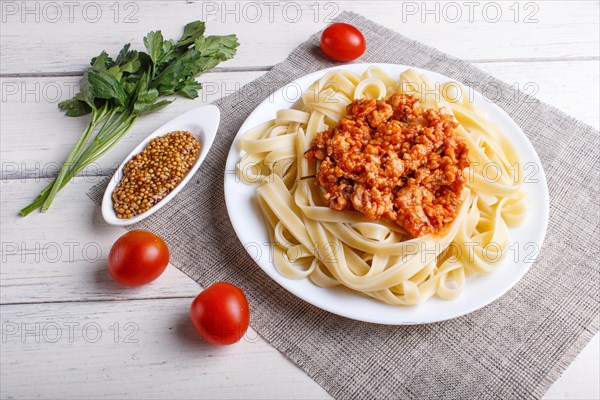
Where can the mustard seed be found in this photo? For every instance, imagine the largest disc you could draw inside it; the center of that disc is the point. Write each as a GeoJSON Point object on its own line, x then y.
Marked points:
{"type": "Point", "coordinates": [151, 175]}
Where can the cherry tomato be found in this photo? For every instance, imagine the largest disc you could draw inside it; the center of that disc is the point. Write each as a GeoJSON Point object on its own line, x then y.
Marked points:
{"type": "Point", "coordinates": [342, 42]}
{"type": "Point", "coordinates": [138, 257]}
{"type": "Point", "coordinates": [221, 313]}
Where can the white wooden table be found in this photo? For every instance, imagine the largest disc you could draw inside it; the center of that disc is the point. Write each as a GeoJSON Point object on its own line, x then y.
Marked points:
{"type": "Point", "coordinates": [68, 331]}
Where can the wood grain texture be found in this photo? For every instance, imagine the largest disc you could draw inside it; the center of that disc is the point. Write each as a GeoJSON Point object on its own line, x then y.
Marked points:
{"type": "Point", "coordinates": [554, 30]}
{"type": "Point", "coordinates": [61, 255]}
{"type": "Point", "coordinates": [47, 277]}
{"type": "Point", "coordinates": [37, 137]}
{"type": "Point", "coordinates": [44, 135]}
{"type": "Point", "coordinates": [70, 351]}
{"type": "Point", "coordinates": [578, 381]}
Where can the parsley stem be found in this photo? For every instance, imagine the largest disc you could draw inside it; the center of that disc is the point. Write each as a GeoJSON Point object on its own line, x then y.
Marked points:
{"type": "Point", "coordinates": [118, 91]}
{"type": "Point", "coordinates": [97, 118]}
{"type": "Point", "coordinates": [106, 138]}
{"type": "Point", "coordinates": [94, 151]}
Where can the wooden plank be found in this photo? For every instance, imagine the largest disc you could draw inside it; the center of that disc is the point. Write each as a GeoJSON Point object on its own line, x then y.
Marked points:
{"type": "Point", "coordinates": [36, 137]}
{"type": "Point", "coordinates": [168, 353]}
{"type": "Point", "coordinates": [156, 343]}
{"type": "Point", "coordinates": [162, 341]}
{"type": "Point", "coordinates": [61, 255]}
{"type": "Point", "coordinates": [575, 382]}
{"type": "Point", "coordinates": [568, 85]}
{"type": "Point", "coordinates": [135, 349]}
{"type": "Point", "coordinates": [23, 149]}
{"type": "Point", "coordinates": [38, 37]}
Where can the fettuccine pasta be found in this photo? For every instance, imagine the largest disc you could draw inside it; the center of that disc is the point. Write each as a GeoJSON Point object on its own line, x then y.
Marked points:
{"type": "Point", "coordinates": [379, 258]}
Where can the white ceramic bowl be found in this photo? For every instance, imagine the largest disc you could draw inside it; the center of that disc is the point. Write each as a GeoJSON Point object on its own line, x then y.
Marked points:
{"type": "Point", "coordinates": [202, 122]}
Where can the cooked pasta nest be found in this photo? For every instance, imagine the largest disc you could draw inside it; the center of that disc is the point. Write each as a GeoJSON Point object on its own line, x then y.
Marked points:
{"type": "Point", "coordinates": [378, 258]}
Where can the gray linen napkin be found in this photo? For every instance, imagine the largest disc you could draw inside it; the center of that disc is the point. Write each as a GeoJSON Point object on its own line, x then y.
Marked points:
{"type": "Point", "coordinates": [514, 348]}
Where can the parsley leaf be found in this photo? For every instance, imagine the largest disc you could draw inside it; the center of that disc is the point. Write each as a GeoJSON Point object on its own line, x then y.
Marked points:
{"type": "Point", "coordinates": [118, 91]}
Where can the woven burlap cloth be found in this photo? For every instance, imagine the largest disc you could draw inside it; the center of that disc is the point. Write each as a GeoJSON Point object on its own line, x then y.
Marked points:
{"type": "Point", "coordinates": [515, 347]}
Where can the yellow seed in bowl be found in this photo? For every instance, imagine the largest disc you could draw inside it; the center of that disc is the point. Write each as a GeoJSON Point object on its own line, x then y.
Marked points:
{"type": "Point", "coordinates": [153, 173]}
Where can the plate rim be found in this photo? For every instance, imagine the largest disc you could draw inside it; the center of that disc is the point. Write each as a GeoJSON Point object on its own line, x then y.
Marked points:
{"type": "Point", "coordinates": [281, 280]}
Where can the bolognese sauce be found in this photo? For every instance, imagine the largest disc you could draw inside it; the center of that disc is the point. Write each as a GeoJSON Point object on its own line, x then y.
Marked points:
{"type": "Point", "coordinates": [390, 159]}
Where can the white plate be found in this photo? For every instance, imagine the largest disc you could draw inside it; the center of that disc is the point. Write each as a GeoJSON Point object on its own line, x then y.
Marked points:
{"type": "Point", "coordinates": [202, 122]}
{"type": "Point", "coordinates": [479, 291]}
